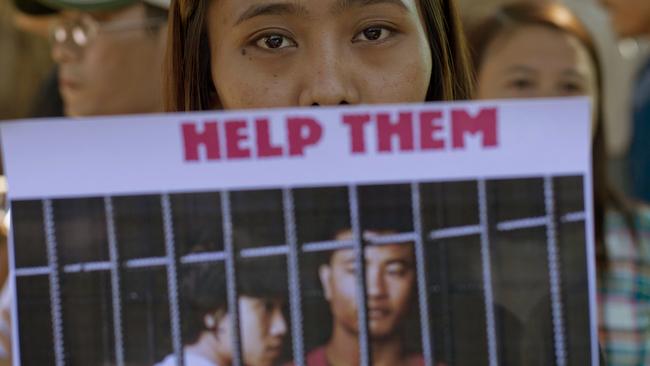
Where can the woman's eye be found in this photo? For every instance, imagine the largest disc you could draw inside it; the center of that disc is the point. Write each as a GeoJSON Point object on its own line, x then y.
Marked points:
{"type": "Point", "coordinates": [275, 42]}
{"type": "Point", "coordinates": [521, 84]}
{"type": "Point", "coordinates": [572, 88]}
{"type": "Point", "coordinates": [373, 34]}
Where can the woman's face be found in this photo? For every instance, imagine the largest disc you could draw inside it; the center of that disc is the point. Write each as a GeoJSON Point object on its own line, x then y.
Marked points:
{"type": "Point", "coordinates": [534, 62]}
{"type": "Point", "coordinates": [537, 62]}
{"type": "Point", "coordinates": [280, 53]}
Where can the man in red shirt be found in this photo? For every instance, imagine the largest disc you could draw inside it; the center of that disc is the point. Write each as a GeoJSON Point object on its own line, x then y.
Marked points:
{"type": "Point", "coordinates": [390, 286]}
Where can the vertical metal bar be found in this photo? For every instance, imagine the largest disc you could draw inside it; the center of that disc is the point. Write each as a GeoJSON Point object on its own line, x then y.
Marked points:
{"type": "Point", "coordinates": [55, 290]}
{"type": "Point", "coordinates": [443, 270]}
{"type": "Point", "coordinates": [364, 342]}
{"type": "Point", "coordinates": [554, 275]}
{"type": "Point", "coordinates": [116, 292]}
{"type": "Point", "coordinates": [231, 278]}
{"type": "Point", "coordinates": [172, 280]}
{"type": "Point", "coordinates": [294, 278]}
{"type": "Point", "coordinates": [13, 290]}
{"type": "Point", "coordinates": [445, 302]}
{"type": "Point", "coordinates": [423, 299]}
{"type": "Point", "coordinates": [487, 276]}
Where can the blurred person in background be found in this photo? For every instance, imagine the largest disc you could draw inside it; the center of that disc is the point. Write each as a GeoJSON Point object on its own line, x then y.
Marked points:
{"type": "Point", "coordinates": [631, 19]}
{"type": "Point", "coordinates": [24, 63]}
{"type": "Point", "coordinates": [5, 327]}
{"type": "Point", "coordinates": [108, 54]}
{"type": "Point", "coordinates": [532, 50]}
{"type": "Point", "coordinates": [37, 19]}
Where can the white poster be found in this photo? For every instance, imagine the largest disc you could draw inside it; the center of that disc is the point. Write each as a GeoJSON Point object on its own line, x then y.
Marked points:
{"type": "Point", "coordinates": [427, 234]}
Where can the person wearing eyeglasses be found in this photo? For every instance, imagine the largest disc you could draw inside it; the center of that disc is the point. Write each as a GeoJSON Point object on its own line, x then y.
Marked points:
{"type": "Point", "coordinates": [109, 54]}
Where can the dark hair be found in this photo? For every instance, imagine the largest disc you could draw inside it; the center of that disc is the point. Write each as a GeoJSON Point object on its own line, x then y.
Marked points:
{"type": "Point", "coordinates": [155, 12]}
{"type": "Point", "coordinates": [204, 292]}
{"type": "Point", "coordinates": [556, 16]}
{"type": "Point", "coordinates": [189, 85]}
{"type": "Point", "coordinates": [204, 289]}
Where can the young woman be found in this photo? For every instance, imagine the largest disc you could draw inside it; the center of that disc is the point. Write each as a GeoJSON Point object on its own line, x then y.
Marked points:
{"type": "Point", "coordinates": [243, 54]}
{"type": "Point", "coordinates": [236, 54]}
{"type": "Point", "coordinates": [542, 50]}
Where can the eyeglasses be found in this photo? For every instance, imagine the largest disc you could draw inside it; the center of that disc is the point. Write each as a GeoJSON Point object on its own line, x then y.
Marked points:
{"type": "Point", "coordinates": [81, 30]}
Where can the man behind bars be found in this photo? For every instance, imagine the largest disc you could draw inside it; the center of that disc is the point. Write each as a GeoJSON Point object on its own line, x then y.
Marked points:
{"type": "Point", "coordinates": [390, 289]}
{"type": "Point", "coordinates": [207, 331]}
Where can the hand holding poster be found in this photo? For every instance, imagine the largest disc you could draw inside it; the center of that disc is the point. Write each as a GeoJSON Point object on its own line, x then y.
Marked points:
{"type": "Point", "coordinates": [407, 234]}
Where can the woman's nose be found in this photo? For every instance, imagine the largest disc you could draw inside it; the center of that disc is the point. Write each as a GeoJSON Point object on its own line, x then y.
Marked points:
{"type": "Point", "coordinates": [328, 81]}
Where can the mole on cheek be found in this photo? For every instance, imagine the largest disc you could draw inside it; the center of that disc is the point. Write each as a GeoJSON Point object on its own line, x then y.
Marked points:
{"type": "Point", "coordinates": [243, 52]}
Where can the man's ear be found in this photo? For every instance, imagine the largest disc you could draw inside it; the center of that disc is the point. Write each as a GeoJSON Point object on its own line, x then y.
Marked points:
{"type": "Point", "coordinates": [209, 321]}
{"type": "Point", "coordinates": [325, 273]}
{"type": "Point", "coordinates": [222, 327]}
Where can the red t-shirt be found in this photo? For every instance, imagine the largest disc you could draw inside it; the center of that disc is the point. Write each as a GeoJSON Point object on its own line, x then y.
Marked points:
{"type": "Point", "coordinates": [318, 357]}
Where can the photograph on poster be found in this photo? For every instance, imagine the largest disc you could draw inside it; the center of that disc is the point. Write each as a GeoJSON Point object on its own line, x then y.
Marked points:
{"type": "Point", "coordinates": [353, 268]}
{"type": "Point", "coordinates": [123, 238]}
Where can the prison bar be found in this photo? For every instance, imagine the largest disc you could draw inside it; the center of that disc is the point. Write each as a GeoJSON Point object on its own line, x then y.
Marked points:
{"type": "Point", "coordinates": [55, 290]}
{"type": "Point", "coordinates": [455, 232]}
{"type": "Point", "coordinates": [423, 299]}
{"type": "Point", "coordinates": [329, 245]}
{"type": "Point", "coordinates": [116, 295]}
{"type": "Point", "coordinates": [523, 223]}
{"type": "Point", "coordinates": [554, 275]}
{"type": "Point", "coordinates": [231, 278]}
{"type": "Point", "coordinates": [488, 294]}
{"type": "Point", "coordinates": [295, 301]}
{"type": "Point", "coordinates": [312, 247]}
{"type": "Point", "coordinates": [172, 280]}
{"type": "Point", "coordinates": [365, 358]}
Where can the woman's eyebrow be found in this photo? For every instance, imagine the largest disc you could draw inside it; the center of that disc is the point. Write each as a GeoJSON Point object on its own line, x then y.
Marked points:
{"type": "Point", "coordinates": [520, 69]}
{"type": "Point", "coordinates": [293, 8]}
{"type": "Point", "coordinates": [574, 73]}
{"type": "Point", "coordinates": [286, 8]}
{"type": "Point", "coordinates": [343, 5]}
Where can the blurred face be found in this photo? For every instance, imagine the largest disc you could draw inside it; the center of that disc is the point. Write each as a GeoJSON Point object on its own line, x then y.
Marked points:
{"type": "Point", "coordinates": [630, 18]}
{"type": "Point", "coordinates": [263, 328]}
{"type": "Point", "coordinates": [390, 280]}
{"type": "Point", "coordinates": [536, 62]}
{"type": "Point", "coordinates": [262, 331]}
{"type": "Point", "coordinates": [275, 53]}
{"type": "Point", "coordinates": [118, 71]}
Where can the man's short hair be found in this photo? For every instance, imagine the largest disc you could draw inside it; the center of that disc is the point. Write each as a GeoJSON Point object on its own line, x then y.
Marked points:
{"type": "Point", "coordinates": [204, 289]}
